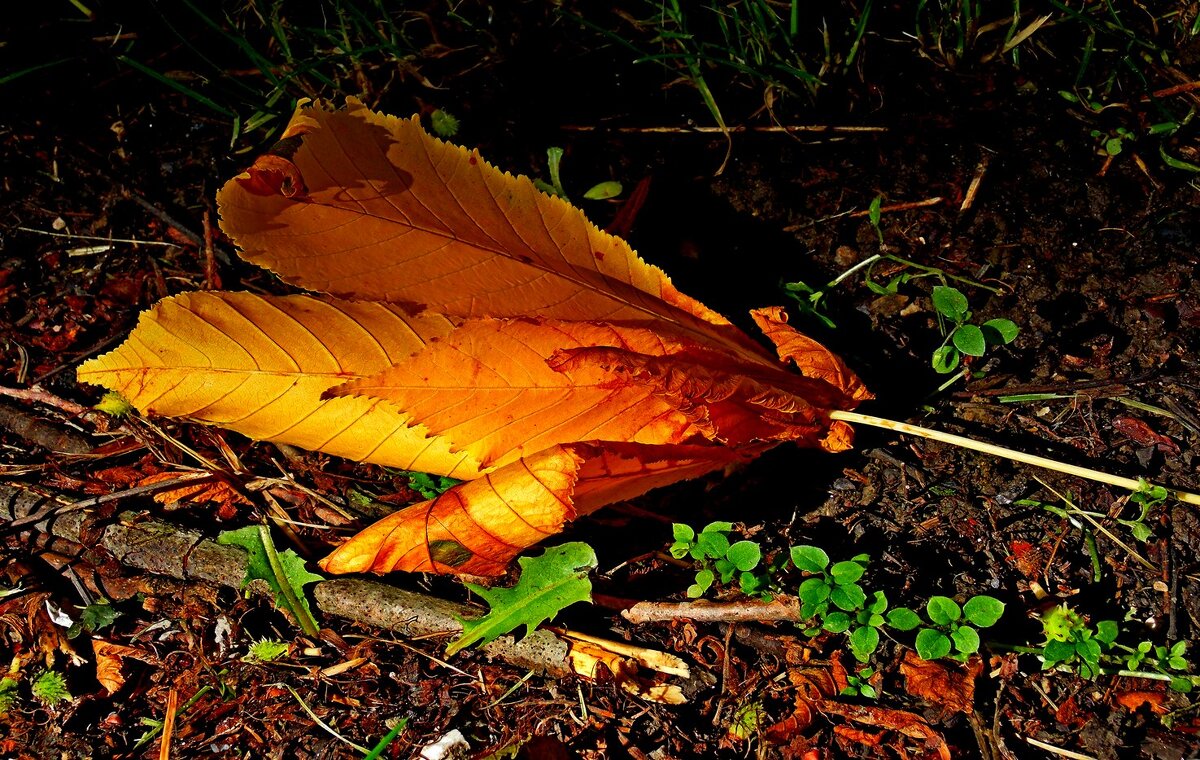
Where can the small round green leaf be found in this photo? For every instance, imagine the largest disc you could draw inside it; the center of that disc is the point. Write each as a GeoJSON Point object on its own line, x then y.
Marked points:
{"type": "Point", "coordinates": [704, 581]}
{"type": "Point", "coordinates": [864, 641]}
{"type": "Point", "coordinates": [603, 191]}
{"type": "Point", "coordinates": [950, 302]}
{"type": "Point", "coordinates": [943, 610]}
{"type": "Point", "coordinates": [745, 555]}
{"type": "Point", "coordinates": [1057, 651]}
{"type": "Point", "coordinates": [682, 532]}
{"type": "Point", "coordinates": [1088, 650]}
{"type": "Point", "coordinates": [1106, 631]}
{"type": "Point", "coordinates": [1181, 685]}
{"type": "Point", "coordinates": [983, 611]}
{"type": "Point", "coordinates": [966, 639]}
{"type": "Point", "coordinates": [1000, 331]}
{"type": "Point", "coordinates": [837, 622]}
{"type": "Point", "coordinates": [846, 572]}
{"type": "Point", "coordinates": [932, 644]}
{"type": "Point", "coordinates": [718, 526]}
{"type": "Point", "coordinates": [878, 603]}
{"type": "Point", "coordinates": [713, 545]}
{"type": "Point", "coordinates": [810, 559]}
{"type": "Point", "coordinates": [814, 591]}
{"type": "Point", "coordinates": [850, 597]}
{"type": "Point", "coordinates": [946, 359]}
{"type": "Point", "coordinates": [969, 339]}
{"type": "Point", "coordinates": [903, 619]}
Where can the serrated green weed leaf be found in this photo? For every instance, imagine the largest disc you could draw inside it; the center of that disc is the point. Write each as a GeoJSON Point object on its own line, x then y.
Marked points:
{"type": "Point", "coordinates": [258, 567]}
{"type": "Point", "coordinates": [548, 583]}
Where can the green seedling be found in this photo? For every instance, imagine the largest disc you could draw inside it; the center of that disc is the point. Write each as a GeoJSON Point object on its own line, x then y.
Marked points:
{"type": "Point", "coordinates": [92, 618]}
{"type": "Point", "coordinates": [1072, 644]}
{"type": "Point", "coordinates": [748, 720]}
{"type": "Point", "coordinates": [951, 631]}
{"type": "Point", "coordinates": [719, 558]}
{"type": "Point", "coordinates": [859, 684]}
{"type": "Point", "coordinates": [833, 587]}
{"type": "Point", "coordinates": [1112, 144]}
{"type": "Point", "coordinates": [598, 192]}
{"type": "Point", "coordinates": [862, 626]}
{"type": "Point", "coordinates": [8, 694]}
{"type": "Point", "coordinates": [50, 688]}
{"type": "Point", "coordinates": [443, 123]}
{"type": "Point", "coordinates": [266, 650]}
{"type": "Point", "coordinates": [962, 337]}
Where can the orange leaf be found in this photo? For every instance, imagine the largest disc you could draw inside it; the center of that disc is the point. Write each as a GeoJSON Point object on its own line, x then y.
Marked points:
{"type": "Point", "coordinates": [392, 213]}
{"type": "Point", "coordinates": [486, 388]}
{"type": "Point", "coordinates": [258, 365]}
{"type": "Point", "coordinates": [478, 527]}
{"type": "Point", "coordinates": [495, 335]}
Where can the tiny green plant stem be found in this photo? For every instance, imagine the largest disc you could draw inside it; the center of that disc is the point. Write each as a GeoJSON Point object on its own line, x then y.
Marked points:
{"type": "Point", "coordinates": [325, 726]}
{"type": "Point", "coordinates": [1074, 510]}
{"type": "Point", "coordinates": [860, 265]}
{"type": "Point", "coordinates": [941, 273]}
{"type": "Point", "coordinates": [953, 379]}
{"type": "Point", "coordinates": [148, 737]}
{"type": "Point", "coordinates": [307, 623]}
{"type": "Point", "coordinates": [1000, 451]}
{"type": "Point", "coordinates": [377, 751]}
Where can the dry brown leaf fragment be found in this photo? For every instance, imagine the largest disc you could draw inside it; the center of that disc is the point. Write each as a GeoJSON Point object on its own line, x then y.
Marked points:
{"type": "Point", "coordinates": [110, 659]}
{"type": "Point", "coordinates": [951, 687]}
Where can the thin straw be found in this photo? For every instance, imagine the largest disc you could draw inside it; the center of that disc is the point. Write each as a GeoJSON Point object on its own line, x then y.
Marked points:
{"type": "Point", "coordinates": [1000, 451]}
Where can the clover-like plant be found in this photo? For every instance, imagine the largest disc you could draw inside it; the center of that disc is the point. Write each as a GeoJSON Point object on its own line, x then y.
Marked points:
{"type": "Point", "coordinates": [962, 336]}
{"type": "Point", "coordinates": [832, 587]}
{"type": "Point", "coordinates": [952, 631]}
{"type": "Point", "coordinates": [719, 558]}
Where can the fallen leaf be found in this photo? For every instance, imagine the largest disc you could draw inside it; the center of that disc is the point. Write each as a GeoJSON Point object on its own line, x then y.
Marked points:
{"type": "Point", "coordinates": [907, 723]}
{"type": "Point", "coordinates": [109, 660]}
{"type": "Point", "coordinates": [1134, 700]}
{"type": "Point", "coordinates": [951, 687]}
{"type": "Point", "coordinates": [217, 492]}
{"type": "Point", "coordinates": [1143, 435]}
{"type": "Point", "coordinates": [481, 330]}
{"type": "Point", "coordinates": [259, 364]}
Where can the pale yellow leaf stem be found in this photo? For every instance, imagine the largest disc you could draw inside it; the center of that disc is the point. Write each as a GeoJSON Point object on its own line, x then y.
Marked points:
{"type": "Point", "coordinates": [1000, 451]}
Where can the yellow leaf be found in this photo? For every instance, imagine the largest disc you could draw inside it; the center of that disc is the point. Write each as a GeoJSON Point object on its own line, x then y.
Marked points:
{"type": "Point", "coordinates": [258, 365]}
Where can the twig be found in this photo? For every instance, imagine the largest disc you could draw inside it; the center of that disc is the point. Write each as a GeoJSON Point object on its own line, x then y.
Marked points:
{"type": "Point", "coordinates": [899, 207]}
{"type": "Point", "coordinates": [168, 726]}
{"type": "Point", "coordinates": [973, 188]}
{"type": "Point", "coordinates": [59, 505]}
{"type": "Point", "coordinates": [747, 611]}
{"type": "Point", "coordinates": [212, 279]}
{"type": "Point", "coordinates": [817, 128]}
{"type": "Point", "coordinates": [191, 237]}
{"type": "Point", "coordinates": [1000, 451]}
{"type": "Point", "coordinates": [96, 238]}
{"type": "Point", "coordinates": [1057, 751]}
{"type": "Point", "coordinates": [325, 726]}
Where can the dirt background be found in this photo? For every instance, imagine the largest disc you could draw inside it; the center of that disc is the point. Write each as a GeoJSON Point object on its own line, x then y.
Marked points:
{"type": "Point", "coordinates": [1095, 258]}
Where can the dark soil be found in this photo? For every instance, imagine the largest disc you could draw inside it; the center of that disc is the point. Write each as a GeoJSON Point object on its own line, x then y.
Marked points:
{"type": "Point", "coordinates": [1096, 261]}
